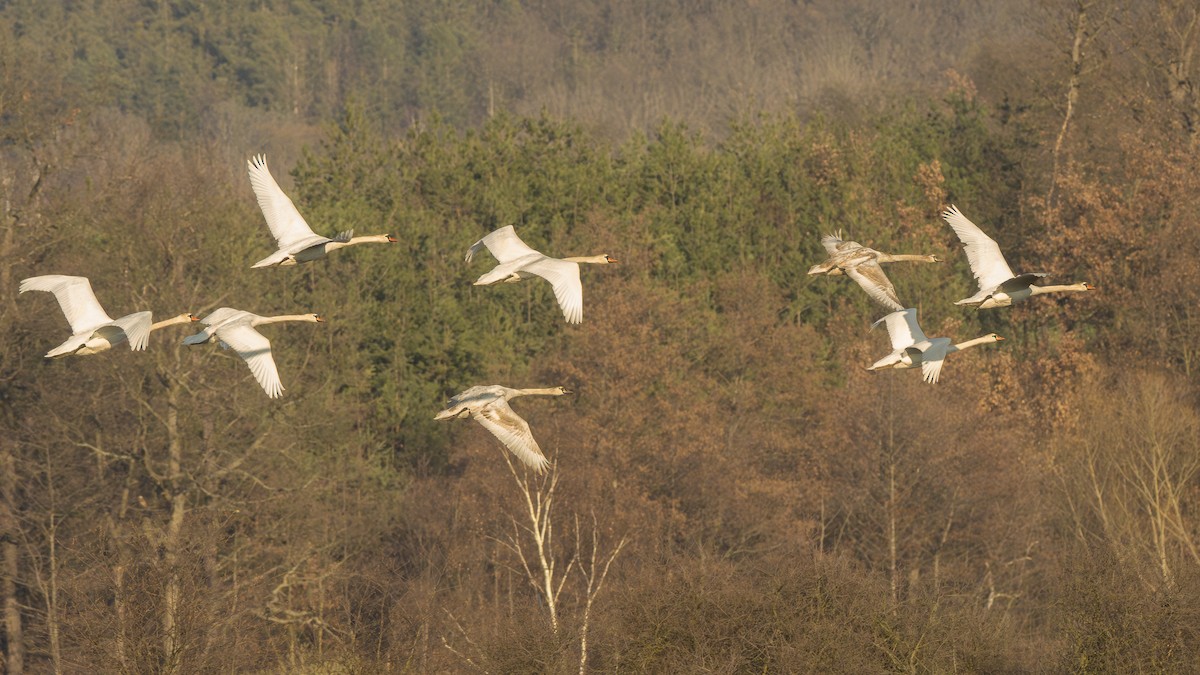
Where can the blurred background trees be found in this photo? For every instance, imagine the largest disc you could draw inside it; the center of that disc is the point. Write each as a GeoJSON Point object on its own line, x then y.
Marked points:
{"type": "Point", "coordinates": [775, 507]}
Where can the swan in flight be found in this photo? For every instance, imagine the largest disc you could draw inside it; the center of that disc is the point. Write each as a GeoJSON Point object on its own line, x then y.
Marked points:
{"type": "Point", "coordinates": [92, 329]}
{"type": "Point", "coordinates": [862, 265]}
{"type": "Point", "coordinates": [296, 240]}
{"type": "Point", "coordinates": [234, 329]}
{"type": "Point", "coordinates": [998, 286]}
{"type": "Point", "coordinates": [488, 404]}
{"type": "Point", "coordinates": [518, 261]}
{"type": "Point", "coordinates": [912, 349]}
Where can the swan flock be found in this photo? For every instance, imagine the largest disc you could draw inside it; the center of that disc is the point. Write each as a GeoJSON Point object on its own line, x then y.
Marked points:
{"type": "Point", "coordinates": [93, 331]}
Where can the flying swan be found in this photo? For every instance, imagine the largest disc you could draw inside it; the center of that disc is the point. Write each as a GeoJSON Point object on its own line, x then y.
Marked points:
{"type": "Point", "coordinates": [92, 331]}
{"type": "Point", "coordinates": [488, 404]}
{"type": "Point", "coordinates": [234, 329]}
{"type": "Point", "coordinates": [296, 240]}
{"type": "Point", "coordinates": [518, 261]}
{"type": "Point", "coordinates": [998, 286]}
{"type": "Point", "coordinates": [862, 265]}
{"type": "Point", "coordinates": [912, 349]}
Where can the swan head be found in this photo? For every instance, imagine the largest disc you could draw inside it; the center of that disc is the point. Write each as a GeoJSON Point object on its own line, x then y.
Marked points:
{"type": "Point", "coordinates": [391, 238]}
{"type": "Point", "coordinates": [609, 260]}
{"type": "Point", "coordinates": [995, 338]}
{"type": "Point", "coordinates": [934, 258]}
{"type": "Point", "coordinates": [192, 317]}
{"type": "Point", "coordinates": [1087, 287]}
{"type": "Point", "coordinates": [315, 318]}
{"type": "Point", "coordinates": [563, 391]}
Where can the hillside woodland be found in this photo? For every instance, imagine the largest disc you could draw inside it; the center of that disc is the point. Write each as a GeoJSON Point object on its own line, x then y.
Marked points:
{"type": "Point", "coordinates": [731, 490]}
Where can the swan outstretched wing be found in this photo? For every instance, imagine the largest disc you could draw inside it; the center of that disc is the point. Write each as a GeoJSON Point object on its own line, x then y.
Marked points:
{"type": "Point", "coordinates": [564, 278]}
{"type": "Point", "coordinates": [286, 223]}
{"type": "Point", "coordinates": [870, 276]}
{"type": "Point", "coordinates": [255, 350]}
{"type": "Point", "coordinates": [75, 297]}
{"type": "Point", "coordinates": [137, 328]}
{"type": "Point", "coordinates": [983, 253]}
{"type": "Point", "coordinates": [504, 244]}
{"type": "Point", "coordinates": [932, 359]}
{"type": "Point", "coordinates": [513, 432]}
{"type": "Point", "coordinates": [902, 328]}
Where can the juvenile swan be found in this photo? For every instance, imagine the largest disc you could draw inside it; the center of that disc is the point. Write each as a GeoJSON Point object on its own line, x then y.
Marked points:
{"type": "Point", "coordinates": [862, 265]}
{"type": "Point", "coordinates": [998, 286]}
{"type": "Point", "coordinates": [92, 329]}
{"type": "Point", "coordinates": [296, 240]}
{"type": "Point", "coordinates": [488, 404]}
{"type": "Point", "coordinates": [518, 261]}
{"type": "Point", "coordinates": [234, 329]}
{"type": "Point", "coordinates": [912, 349]}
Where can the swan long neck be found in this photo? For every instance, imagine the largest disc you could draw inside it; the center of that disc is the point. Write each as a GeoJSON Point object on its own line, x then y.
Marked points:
{"type": "Point", "coordinates": [182, 318]}
{"type": "Point", "coordinates": [281, 318]}
{"type": "Point", "coordinates": [547, 391]}
{"type": "Point", "coordinates": [972, 343]}
{"type": "Point", "coordinates": [1069, 288]}
{"type": "Point", "coordinates": [905, 257]}
{"type": "Point", "coordinates": [598, 259]}
{"type": "Point", "coordinates": [368, 239]}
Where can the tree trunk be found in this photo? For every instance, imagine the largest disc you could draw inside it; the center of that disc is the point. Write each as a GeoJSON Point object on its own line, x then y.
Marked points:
{"type": "Point", "coordinates": [171, 541]}
{"type": "Point", "coordinates": [14, 660]}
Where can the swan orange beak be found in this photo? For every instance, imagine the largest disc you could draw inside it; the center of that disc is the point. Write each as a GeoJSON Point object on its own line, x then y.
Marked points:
{"type": "Point", "coordinates": [999, 338]}
{"type": "Point", "coordinates": [611, 260]}
{"type": "Point", "coordinates": [193, 317]}
{"type": "Point", "coordinates": [392, 238]}
{"type": "Point", "coordinates": [320, 319]}
{"type": "Point", "coordinates": [1089, 286]}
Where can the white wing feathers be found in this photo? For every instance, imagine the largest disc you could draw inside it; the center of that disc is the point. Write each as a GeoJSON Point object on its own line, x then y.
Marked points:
{"type": "Point", "coordinates": [902, 328]}
{"type": "Point", "coordinates": [564, 278]}
{"type": "Point", "coordinates": [255, 350]}
{"type": "Point", "coordinates": [137, 328]}
{"type": "Point", "coordinates": [932, 359]}
{"type": "Point", "coordinates": [75, 297]}
{"type": "Point", "coordinates": [287, 225]}
{"type": "Point", "coordinates": [513, 432]}
{"type": "Point", "coordinates": [504, 244]}
{"type": "Point", "coordinates": [983, 253]}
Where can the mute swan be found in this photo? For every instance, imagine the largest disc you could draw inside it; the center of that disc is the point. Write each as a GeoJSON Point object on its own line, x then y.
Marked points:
{"type": "Point", "coordinates": [862, 265]}
{"type": "Point", "coordinates": [913, 349]}
{"type": "Point", "coordinates": [998, 286]}
{"type": "Point", "coordinates": [488, 404]}
{"type": "Point", "coordinates": [234, 329]}
{"type": "Point", "coordinates": [92, 329]}
{"type": "Point", "coordinates": [518, 261]}
{"type": "Point", "coordinates": [296, 240]}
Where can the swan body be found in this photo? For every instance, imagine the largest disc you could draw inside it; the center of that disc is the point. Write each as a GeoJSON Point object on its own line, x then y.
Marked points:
{"type": "Point", "coordinates": [912, 349]}
{"type": "Point", "coordinates": [235, 329]}
{"type": "Point", "coordinates": [488, 404]}
{"type": "Point", "coordinates": [92, 330]}
{"type": "Point", "coordinates": [518, 261]}
{"type": "Point", "coordinates": [862, 265]}
{"type": "Point", "coordinates": [998, 286]}
{"type": "Point", "coordinates": [296, 241]}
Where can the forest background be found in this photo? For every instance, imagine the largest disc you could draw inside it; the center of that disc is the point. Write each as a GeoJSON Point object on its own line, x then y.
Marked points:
{"type": "Point", "coordinates": [732, 491]}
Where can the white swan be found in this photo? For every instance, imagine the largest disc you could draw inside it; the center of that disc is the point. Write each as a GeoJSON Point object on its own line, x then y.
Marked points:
{"type": "Point", "coordinates": [518, 261]}
{"type": "Point", "coordinates": [862, 265]}
{"type": "Point", "coordinates": [296, 240]}
{"type": "Point", "coordinates": [912, 349]}
{"type": "Point", "coordinates": [488, 404]}
{"type": "Point", "coordinates": [92, 329]}
{"type": "Point", "coordinates": [234, 329]}
{"type": "Point", "coordinates": [998, 286]}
